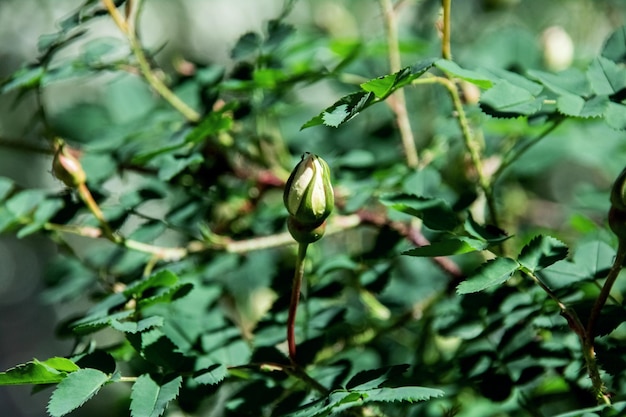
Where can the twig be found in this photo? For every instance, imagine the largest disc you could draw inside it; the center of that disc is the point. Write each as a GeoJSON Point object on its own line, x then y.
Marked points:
{"type": "Point", "coordinates": [446, 52]}
{"type": "Point", "coordinates": [397, 101]}
{"type": "Point", "coordinates": [144, 66]}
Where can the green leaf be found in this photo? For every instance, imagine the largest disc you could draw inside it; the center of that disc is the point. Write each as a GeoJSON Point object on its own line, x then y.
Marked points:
{"type": "Point", "coordinates": [448, 247]}
{"type": "Point", "coordinates": [44, 212]}
{"type": "Point", "coordinates": [403, 394]}
{"type": "Point", "coordinates": [137, 326]}
{"type": "Point", "coordinates": [506, 99]}
{"type": "Point", "coordinates": [343, 110]}
{"type": "Point", "coordinates": [435, 212]}
{"type": "Point", "coordinates": [571, 81]}
{"type": "Point", "coordinates": [541, 252]}
{"type": "Point", "coordinates": [149, 398]}
{"type": "Point", "coordinates": [75, 390]}
{"type": "Point", "coordinates": [49, 371]}
{"type": "Point", "coordinates": [453, 69]}
{"type": "Point", "coordinates": [576, 106]}
{"type": "Point", "coordinates": [606, 76]}
{"type": "Point", "coordinates": [25, 78]}
{"type": "Point", "coordinates": [23, 203]}
{"type": "Point", "coordinates": [491, 273]}
{"type": "Point", "coordinates": [374, 91]}
{"type": "Point", "coordinates": [615, 47]}
{"type": "Point", "coordinates": [248, 44]}
{"type": "Point", "coordinates": [211, 375]}
{"type": "Point", "coordinates": [163, 278]}
{"type": "Point", "coordinates": [383, 86]}
{"type": "Point", "coordinates": [6, 186]}
{"type": "Point", "coordinates": [616, 116]}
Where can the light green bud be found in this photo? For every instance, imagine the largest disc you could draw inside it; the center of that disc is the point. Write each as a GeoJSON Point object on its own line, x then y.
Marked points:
{"type": "Point", "coordinates": [308, 194]}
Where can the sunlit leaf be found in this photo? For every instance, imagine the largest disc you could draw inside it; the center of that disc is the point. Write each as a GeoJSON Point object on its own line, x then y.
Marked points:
{"type": "Point", "coordinates": [448, 247]}
{"type": "Point", "coordinates": [74, 390]}
{"type": "Point", "coordinates": [491, 273]}
{"type": "Point", "coordinates": [452, 68]}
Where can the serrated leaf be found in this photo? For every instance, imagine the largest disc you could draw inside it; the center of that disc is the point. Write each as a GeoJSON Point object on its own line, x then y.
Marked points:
{"type": "Point", "coordinates": [453, 69]}
{"type": "Point", "coordinates": [491, 273]}
{"type": "Point", "coordinates": [541, 252]}
{"type": "Point", "coordinates": [164, 278]}
{"type": "Point", "coordinates": [576, 106]}
{"type": "Point", "coordinates": [448, 247]}
{"type": "Point", "coordinates": [435, 212]}
{"type": "Point", "coordinates": [35, 372]}
{"type": "Point", "coordinates": [137, 326]}
{"type": "Point", "coordinates": [506, 99]}
{"type": "Point", "coordinates": [571, 81]}
{"type": "Point", "coordinates": [61, 364]}
{"type": "Point", "coordinates": [606, 76]}
{"type": "Point", "coordinates": [149, 399]}
{"type": "Point", "coordinates": [74, 390]}
{"type": "Point", "coordinates": [486, 233]}
{"type": "Point", "coordinates": [385, 85]}
{"type": "Point", "coordinates": [615, 116]}
{"type": "Point", "coordinates": [615, 47]}
{"type": "Point", "coordinates": [248, 44]}
{"type": "Point", "coordinates": [401, 394]}
{"type": "Point", "coordinates": [347, 107]}
{"type": "Point", "coordinates": [212, 375]}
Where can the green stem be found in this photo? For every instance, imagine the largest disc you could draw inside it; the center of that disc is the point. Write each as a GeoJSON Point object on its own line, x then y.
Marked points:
{"type": "Point", "coordinates": [446, 52]}
{"type": "Point", "coordinates": [397, 101]}
{"type": "Point", "coordinates": [516, 153]}
{"type": "Point", "coordinates": [128, 29]}
{"type": "Point", "coordinates": [295, 297]}
{"type": "Point", "coordinates": [472, 145]}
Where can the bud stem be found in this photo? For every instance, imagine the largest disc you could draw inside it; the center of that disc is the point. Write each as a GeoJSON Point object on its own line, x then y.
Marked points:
{"type": "Point", "coordinates": [295, 297]}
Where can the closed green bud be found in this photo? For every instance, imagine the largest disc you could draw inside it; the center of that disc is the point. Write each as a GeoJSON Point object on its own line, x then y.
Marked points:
{"type": "Point", "coordinates": [308, 195]}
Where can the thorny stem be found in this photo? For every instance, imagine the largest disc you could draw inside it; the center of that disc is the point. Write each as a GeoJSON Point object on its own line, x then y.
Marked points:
{"type": "Point", "coordinates": [606, 288]}
{"type": "Point", "coordinates": [397, 101]}
{"type": "Point", "coordinates": [295, 297]}
{"type": "Point", "coordinates": [127, 28]}
{"type": "Point", "coordinates": [471, 144]}
{"type": "Point", "coordinates": [588, 349]}
{"type": "Point", "coordinates": [586, 334]}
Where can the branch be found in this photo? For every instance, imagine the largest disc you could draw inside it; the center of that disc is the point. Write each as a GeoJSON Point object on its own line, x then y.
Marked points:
{"type": "Point", "coordinates": [397, 101]}
{"type": "Point", "coordinates": [128, 29]}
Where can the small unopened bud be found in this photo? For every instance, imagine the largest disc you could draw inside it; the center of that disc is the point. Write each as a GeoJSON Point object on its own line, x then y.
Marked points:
{"type": "Point", "coordinates": [558, 48]}
{"type": "Point", "coordinates": [309, 198]}
{"type": "Point", "coordinates": [67, 168]}
{"type": "Point", "coordinates": [308, 194]}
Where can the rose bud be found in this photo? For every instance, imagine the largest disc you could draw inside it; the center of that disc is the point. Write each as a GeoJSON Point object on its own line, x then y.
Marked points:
{"type": "Point", "coordinates": [308, 195]}
{"type": "Point", "coordinates": [67, 168]}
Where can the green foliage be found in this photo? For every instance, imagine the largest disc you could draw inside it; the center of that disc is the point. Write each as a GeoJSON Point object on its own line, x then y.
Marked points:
{"type": "Point", "coordinates": [476, 281]}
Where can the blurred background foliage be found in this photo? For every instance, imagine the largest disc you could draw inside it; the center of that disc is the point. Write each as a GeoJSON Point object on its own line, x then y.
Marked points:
{"type": "Point", "coordinates": [254, 72]}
